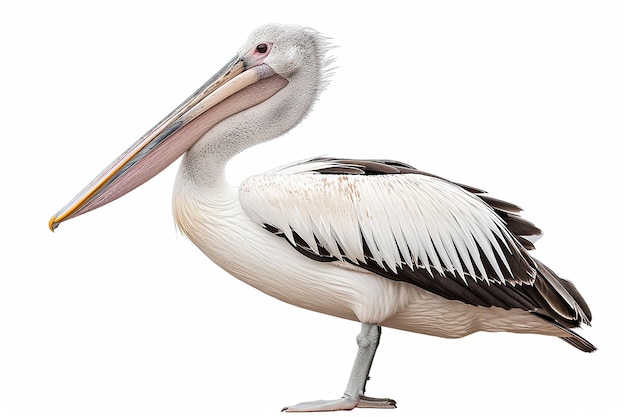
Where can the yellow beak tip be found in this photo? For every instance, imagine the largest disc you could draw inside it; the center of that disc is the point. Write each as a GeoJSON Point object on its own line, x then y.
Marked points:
{"type": "Point", "coordinates": [53, 224]}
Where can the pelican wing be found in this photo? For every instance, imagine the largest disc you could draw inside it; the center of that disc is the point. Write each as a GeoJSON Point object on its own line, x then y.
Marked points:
{"type": "Point", "coordinates": [407, 225]}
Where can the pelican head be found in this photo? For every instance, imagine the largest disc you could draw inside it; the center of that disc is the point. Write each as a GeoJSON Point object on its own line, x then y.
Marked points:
{"type": "Point", "coordinates": [254, 81]}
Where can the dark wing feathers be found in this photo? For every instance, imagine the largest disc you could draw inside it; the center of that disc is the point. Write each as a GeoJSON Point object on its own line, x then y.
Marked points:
{"type": "Point", "coordinates": [478, 293]}
{"type": "Point", "coordinates": [509, 212]}
{"type": "Point", "coordinates": [574, 339]}
{"type": "Point", "coordinates": [520, 227]}
{"type": "Point", "coordinates": [533, 286]}
{"type": "Point", "coordinates": [562, 297]}
{"type": "Point", "coordinates": [500, 205]}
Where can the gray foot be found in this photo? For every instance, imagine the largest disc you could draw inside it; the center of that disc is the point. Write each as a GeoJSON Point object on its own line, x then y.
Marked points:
{"type": "Point", "coordinates": [343, 403]}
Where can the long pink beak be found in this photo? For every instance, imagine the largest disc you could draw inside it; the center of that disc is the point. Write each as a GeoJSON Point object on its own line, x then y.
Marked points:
{"type": "Point", "coordinates": [222, 96]}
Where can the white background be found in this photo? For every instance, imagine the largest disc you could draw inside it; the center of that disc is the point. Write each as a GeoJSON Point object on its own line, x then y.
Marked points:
{"type": "Point", "coordinates": [115, 314]}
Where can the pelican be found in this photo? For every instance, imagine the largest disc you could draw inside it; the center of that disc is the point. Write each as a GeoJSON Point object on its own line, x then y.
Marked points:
{"type": "Point", "coordinates": [375, 241]}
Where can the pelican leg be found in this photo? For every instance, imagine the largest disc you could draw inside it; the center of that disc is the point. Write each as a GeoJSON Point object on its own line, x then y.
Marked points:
{"type": "Point", "coordinates": [353, 397]}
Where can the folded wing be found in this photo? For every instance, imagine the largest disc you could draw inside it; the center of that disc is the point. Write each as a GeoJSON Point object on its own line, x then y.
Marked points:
{"type": "Point", "coordinates": [407, 225]}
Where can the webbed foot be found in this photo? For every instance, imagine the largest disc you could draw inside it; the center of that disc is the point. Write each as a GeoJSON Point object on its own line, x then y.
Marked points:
{"type": "Point", "coordinates": [343, 403]}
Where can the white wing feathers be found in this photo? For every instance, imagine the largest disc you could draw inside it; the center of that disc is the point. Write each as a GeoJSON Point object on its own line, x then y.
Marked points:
{"type": "Point", "coordinates": [404, 220]}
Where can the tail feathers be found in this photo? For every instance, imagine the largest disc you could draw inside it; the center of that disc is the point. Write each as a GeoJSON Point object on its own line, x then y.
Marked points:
{"type": "Point", "coordinates": [562, 306]}
{"type": "Point", "coordinates": [580, 343]}
{"type": "Point", "coordinates": [573, 339]}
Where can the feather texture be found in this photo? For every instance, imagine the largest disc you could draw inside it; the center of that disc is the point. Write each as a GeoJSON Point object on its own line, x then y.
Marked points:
{"type": "Point", "coordinates": [409, 220]}
{"type": "Point", "coordinates": [407, 225]}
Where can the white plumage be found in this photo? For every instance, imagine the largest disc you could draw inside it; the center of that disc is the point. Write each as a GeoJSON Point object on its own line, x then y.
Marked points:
{"type": "Point", "coordinates": [220, 226]}
{"type": "Point", "coordinates": [406, 219]}
{"type": "Point", "coordinates": [374, 241]}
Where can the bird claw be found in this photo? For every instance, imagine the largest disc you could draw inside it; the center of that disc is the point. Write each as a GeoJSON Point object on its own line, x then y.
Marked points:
{"type": "Point", "coordinates": [343, 403]}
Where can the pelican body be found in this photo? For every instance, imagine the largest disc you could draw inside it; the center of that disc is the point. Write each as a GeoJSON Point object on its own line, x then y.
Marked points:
{"type": "Point", "coordinates": [374, 241]}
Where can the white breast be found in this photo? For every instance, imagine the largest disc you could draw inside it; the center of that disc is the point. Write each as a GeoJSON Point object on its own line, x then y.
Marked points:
{"type": "Point", "coordinates": [226, 234]}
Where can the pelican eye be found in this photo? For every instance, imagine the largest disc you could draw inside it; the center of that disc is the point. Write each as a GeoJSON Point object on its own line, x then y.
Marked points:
{"type": "Point", "coordinates": [261, 48]}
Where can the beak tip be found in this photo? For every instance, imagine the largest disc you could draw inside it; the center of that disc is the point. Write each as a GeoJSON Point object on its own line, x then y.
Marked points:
{"type": "Point", "coordinates": [53, 224]}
